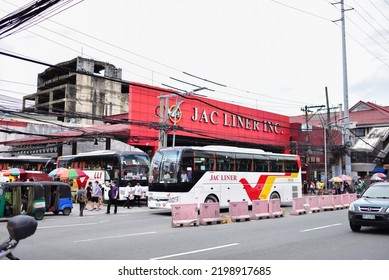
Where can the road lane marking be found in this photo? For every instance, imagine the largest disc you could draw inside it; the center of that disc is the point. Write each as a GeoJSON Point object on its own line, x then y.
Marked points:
{"type": "Point", "coordinates": [317, 228]}
{"type": "Point", "coordinates": [72, 225]}
{"type": "Point", "coordinates": [115, 236]}
{"type": "Point", "coordinates": [195, 251]}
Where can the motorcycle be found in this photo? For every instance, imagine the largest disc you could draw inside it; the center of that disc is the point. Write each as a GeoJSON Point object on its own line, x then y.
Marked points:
{"type": "Point", "coordinates": [19, 227]}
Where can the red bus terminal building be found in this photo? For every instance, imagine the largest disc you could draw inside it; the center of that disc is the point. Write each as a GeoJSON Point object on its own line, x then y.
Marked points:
{"type": "Point", "coordinates": [195, 120]}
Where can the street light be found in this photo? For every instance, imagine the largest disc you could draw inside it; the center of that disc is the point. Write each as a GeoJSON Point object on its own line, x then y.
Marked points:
{"type": "Point", "coordinates": [325, 147]}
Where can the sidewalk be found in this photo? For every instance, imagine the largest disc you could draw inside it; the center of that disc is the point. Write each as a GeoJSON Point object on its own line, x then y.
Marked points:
{"type": "Point", "coordinates": [76, 211]}
{"type": "Point", "coordinates": [103, 210]}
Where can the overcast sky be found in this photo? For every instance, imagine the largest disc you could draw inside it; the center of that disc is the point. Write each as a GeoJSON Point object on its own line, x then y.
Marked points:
{"type": "Point", "coordinates": [276, 56]}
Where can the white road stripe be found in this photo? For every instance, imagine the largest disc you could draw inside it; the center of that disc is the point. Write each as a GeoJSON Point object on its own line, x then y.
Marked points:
{"type": "Point", "coordinates": [316, 228]}
{"type": "Point", "coordinates": [115, 236]}
{"type": "Point", "coordinates": [72, 225]}
{"type": "Point", "coordinates": [195, 251]}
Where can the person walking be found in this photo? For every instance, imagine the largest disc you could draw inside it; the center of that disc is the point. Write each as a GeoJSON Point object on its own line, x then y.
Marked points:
{"type": "Point", "coordinates": [95, 196]}
{"type": "Point", "coordinates": [312, 188]}
{"type": "Point", "coordinates": [113, 198]}
{"type": "Point", "coordinates": [138, 193]}
{"type": "Point", "coordinates": [89, 189]}
{"type": "Point", "coordinates": [129, 194]}
{"type": "Point", "coordinates": [100, 201]}
{"type": "Point", "coordinates": [81, 199]}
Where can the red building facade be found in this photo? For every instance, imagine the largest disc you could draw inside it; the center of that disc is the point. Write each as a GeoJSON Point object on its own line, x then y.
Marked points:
{"type": "Point", "coordinates": [201, 120]}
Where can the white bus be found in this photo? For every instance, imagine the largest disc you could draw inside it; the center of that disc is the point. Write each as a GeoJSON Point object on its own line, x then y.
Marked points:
{"type": "Point", "coordinates": [222, 174]}
{"type": "Point", "coordinates": [107, 165]}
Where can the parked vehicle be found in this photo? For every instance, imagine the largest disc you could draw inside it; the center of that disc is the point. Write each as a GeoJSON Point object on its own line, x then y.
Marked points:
{"type": "Point", "coordinates": [371, 209]}
{"type": "Point", "coordinates": [19, 227]}
{"type": "Point", "coordinates": [58, 197]}
{"type": "Point", "coordinates": [24, 198]}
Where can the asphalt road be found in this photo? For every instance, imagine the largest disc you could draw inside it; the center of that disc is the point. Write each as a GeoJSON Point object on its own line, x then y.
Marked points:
{"type": "Point", "coordinates": [144, 234]}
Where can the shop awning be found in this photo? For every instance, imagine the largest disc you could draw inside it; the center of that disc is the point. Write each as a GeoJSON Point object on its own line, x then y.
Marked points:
{"type": "Point", "coordinates": [101, 131]}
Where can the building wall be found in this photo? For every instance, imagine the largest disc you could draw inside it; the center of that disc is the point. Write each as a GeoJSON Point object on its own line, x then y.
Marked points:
{"type": "Point", "coordinates": [203, 118]}
{"type": "Point", "coordinates": [80, 90]}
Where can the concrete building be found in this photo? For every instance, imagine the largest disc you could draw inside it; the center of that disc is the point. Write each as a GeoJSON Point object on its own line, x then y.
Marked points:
{"type": "Point", "coordinates": [81, 91]}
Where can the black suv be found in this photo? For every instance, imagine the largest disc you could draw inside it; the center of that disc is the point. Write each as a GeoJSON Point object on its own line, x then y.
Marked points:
{"type": "Point", "coordinates": [371, 209]}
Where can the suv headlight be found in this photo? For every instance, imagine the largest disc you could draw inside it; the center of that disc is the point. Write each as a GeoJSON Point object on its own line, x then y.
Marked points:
{"type": "Point", "coordinates": [351, 207]}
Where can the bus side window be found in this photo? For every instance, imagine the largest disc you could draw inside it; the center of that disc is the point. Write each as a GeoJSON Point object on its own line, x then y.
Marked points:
{"type": "Point", "coordinates": [261, 164]}
{"type": "Point", "coordinates": [276, 165]}
{"type": "Point", "coordinates": [291, 166]}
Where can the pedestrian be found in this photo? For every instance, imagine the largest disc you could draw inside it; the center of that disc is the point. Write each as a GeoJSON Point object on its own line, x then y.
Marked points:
{"type": "Point", "coordinates": [113, 194]}
{"type": "Point", "coordinates": [100, 201]}
{"type": "Point", "coordinates": [81, 199]}
{"type": "Point", "coordinates": [184, 177]}
{"type": "Point", "coordinates": [129, 194]}
{"type": "Point", "coordinates": [312, 188]}
{"type": "Point", "coordinates": [95, 196]}
{"type": "Point", "coordinates": [89, 190]}
{"type": "Point", "coordinates": [305, 187]}
{"type": "Point", "coordinates": [138, 193]}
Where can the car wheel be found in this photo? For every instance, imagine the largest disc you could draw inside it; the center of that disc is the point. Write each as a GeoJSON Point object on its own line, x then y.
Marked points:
{"type": "Point", "coordinates": [354, 227]}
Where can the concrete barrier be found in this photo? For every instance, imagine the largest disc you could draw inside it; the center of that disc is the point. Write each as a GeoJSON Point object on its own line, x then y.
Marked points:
{"type": "Point", "coordinates": [353, 197]}
{"type": "Point", "coordinates": [325, 202]}
{"type": "Point", "coordinates": [210, 214]}
{"type": "Point", "coordinates": [275, 208]}
{"type": "Point", "coordinates": [260, 209]}
{"type": "Point", "coordinates": [298, 206]}
{"type": "Point", "coordinates": [184, 215]}
{"type": "Point", "coordinates": [345, 200]}
{"type": "Point", "coordinates": [337, 201]}
{"type": "Point", "coordinates": [313, 203]}
{"type": "Point", "coordinates": [239, 211]}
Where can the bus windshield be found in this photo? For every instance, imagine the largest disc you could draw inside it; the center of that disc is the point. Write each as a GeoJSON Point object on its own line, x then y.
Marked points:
{"type": "Point", "coordinates": [165, 167]}
{"type": "Point", "coordinates": [134, 167]}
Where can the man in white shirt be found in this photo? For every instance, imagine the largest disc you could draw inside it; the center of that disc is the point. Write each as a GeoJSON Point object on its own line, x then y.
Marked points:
{"type": "Point", "coordinates": [129, 194]}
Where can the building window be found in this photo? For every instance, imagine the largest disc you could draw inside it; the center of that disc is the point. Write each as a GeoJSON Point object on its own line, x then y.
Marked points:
{"type": "Point", "coordinates": [359, 132]}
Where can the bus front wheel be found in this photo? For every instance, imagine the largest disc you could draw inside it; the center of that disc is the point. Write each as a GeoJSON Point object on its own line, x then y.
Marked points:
{"type": "Point", "coordinates": [275, 195]}
{"type": "Point", "coordinates": [211, 199]}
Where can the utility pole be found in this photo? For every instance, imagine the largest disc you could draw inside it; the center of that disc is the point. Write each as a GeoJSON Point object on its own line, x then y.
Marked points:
{"type": "Point", "coordinates": [165, 114]}
{"type": "Point", "coordinates": [347, 142]}
{"type": "Point", "coordinates": [306, 109]}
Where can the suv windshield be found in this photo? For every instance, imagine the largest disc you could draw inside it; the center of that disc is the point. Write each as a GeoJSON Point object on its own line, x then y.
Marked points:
{"type": "Point", "coordinates": [378, 191]}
